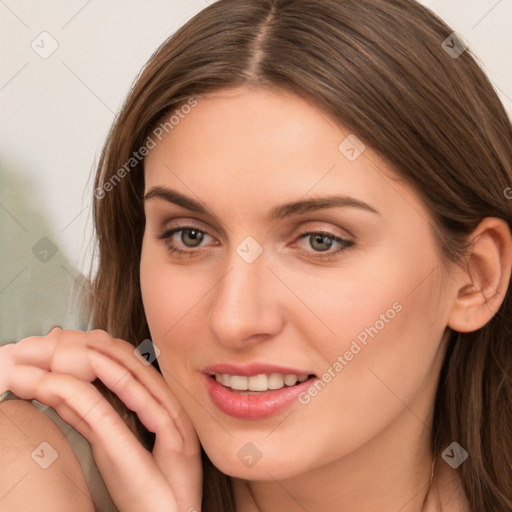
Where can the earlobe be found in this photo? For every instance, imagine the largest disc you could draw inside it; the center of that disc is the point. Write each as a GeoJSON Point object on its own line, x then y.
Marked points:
{"type": "Point", "coordinates": [485, 281]}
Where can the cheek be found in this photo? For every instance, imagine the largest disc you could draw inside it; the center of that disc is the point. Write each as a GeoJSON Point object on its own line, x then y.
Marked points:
{"type": "Point", "coordinates": [383, 367]}
{"type": "Point", "coordinates": [383, 329]}
{"type": "Point", "coordinates": [174, 305]}
{"type": "Point", "coordinates": [170, 293]}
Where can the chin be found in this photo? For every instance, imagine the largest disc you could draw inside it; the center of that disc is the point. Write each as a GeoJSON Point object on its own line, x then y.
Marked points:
{"type": "Point", "coordinates": [244, 460]}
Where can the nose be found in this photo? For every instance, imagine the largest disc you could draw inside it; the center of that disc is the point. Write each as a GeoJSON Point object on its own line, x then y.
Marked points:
{"type": "Point", "coordinates": [245, 307]}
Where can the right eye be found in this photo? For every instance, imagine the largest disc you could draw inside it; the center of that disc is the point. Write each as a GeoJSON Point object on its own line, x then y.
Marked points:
{"type": "Point", "coordinates": [184, 239]}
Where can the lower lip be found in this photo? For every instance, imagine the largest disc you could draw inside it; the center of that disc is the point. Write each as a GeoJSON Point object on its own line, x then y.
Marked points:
{"type": "Point", "coordinates": [253, 407]}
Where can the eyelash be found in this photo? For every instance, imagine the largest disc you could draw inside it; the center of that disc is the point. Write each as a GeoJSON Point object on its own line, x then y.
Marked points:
{"type": "Point", "coordinates": [318, 255]}
{"type": "Point", "coordinates": [327, 255]}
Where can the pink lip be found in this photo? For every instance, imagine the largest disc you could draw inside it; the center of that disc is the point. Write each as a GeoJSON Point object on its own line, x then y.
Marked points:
{"type": "Point", "coordinates": [253, 407]}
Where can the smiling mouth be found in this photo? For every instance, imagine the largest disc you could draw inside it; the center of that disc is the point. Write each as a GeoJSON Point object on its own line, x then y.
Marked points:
{"type": "Point", "coordinates": [259, 383]}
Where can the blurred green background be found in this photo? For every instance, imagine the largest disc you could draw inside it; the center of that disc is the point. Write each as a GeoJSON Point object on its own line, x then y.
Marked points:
{"type": "Point", "coordinates": [39, 287]}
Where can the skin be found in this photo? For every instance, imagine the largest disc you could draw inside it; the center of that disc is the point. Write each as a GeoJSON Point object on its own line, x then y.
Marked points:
{"type": "Point", "coordinates": [241, 152]}
{"type": "Point", "coordinates": [21, 480]}
{"type": "Point", "coordinates": [58, 370]}
{"type": "Point", "coordinates": [362, 443]}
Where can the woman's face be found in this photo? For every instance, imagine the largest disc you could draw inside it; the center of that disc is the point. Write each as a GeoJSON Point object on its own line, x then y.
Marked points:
{"type": "Point", "coordinates": [273, 247]}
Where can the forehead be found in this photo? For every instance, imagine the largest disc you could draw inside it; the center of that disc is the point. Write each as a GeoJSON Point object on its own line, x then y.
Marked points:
{"type": "Point", "coordinates": [258, 147]}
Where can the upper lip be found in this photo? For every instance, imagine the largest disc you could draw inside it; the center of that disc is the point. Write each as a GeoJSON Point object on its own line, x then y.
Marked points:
{"type": "Point", "coordinates": [252, 369]}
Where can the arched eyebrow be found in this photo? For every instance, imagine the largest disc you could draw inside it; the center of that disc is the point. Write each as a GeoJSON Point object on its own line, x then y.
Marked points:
{"type": "Point", "coordinates": [177, 198]}
{"type": "Point", "coordinates": [277, 212]}
{"type": "Point", "coordinates": [315, 204]}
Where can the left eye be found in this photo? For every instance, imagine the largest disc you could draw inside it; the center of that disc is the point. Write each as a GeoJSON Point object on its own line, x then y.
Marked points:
{"type": "Point", "coordinates": [324, 242]}
{"type": "Point", "coordinates": [320, 242]}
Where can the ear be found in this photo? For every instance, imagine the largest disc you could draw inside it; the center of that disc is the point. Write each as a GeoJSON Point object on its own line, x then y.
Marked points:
{"type": "Point", "coordinates": [482, 285]}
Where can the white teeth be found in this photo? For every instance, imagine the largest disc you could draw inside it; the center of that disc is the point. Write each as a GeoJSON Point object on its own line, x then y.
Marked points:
{"type": "Point", "coordinates": [275, 381]}
{"type": "Point", "coordinates": [290, 380]}
{"type": "Point", "coordinates": [239, 383]}
{"type": "Point", "coordinates": [260, 382]}
{"type": "Point", "coordinates": [257, 383]}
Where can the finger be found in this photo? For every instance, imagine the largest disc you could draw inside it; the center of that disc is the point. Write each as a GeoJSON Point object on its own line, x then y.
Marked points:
{"type": "Point", "coordinates": [66, 352]}
{"type": "Point", "coordinates": [55, 351]}
{"type": "Point", "coordinates": [137, 397]}
{"type": "Point", "coordinates": [180, 462]}
{"type": "Point", "coordinates": [43, 352]}
{"type": "Point", "coordinates": [82, 406]}
{"type": "Point", "coordinates": [184, 471]}
{"type": "Point", "coordinates": [114, 376]}
{"type": "Point", "coordinates": [155, 383]}
{"type": "Point", "coordinates": [73, 396]}
{"type": "Point", "coordinates": [31, 351]}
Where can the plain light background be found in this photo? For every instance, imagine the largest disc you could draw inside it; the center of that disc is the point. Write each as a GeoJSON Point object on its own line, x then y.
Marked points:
{"type": "Point", "coordinates": [56, 111]}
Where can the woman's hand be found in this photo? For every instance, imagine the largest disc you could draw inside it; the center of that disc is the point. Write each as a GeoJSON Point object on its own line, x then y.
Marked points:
{"type": "Point", "coordinates": [58, 370]}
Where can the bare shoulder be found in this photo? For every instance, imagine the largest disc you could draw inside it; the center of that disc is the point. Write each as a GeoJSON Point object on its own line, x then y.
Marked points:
{"type": "Point", "coordinates": [38, 469]}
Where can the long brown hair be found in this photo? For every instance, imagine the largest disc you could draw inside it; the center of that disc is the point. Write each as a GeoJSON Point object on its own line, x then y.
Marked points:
{"type": "Point", "coordinates": [377, 66]}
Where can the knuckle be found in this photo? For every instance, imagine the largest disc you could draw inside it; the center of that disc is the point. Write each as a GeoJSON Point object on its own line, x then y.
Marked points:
{"type": "Point", "coordinates": [49, 387]}
{"type": "Point", "coordinates": [59, 388]}
{"type": "Point", "coordinates": [7, 358]}
{"type": "Point", "coordinates": [164, 422]}
{"type": "Point", "coordinates": [55, 330]}
{"type": "Point", "coordinates": [100, 335]}
{"type": "Point", "coordinates": [7, 351]}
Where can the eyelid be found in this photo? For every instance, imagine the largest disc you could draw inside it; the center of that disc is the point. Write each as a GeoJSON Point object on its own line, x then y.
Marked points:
{"type": "Point", "coordinates": [177, 224]}
{"type": "Point", "coordinates": [165, 216]}
{"type": "Point", "coordinates": [320, 227]}
{"type": "Point", "coordinates": [168, 233]}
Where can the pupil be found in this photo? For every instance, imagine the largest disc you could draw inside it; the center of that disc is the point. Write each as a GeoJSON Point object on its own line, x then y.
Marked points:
{"type": "Point", "coordinates": [191, 237]}
{"type": "Point", "coordinates": [321, 242]}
